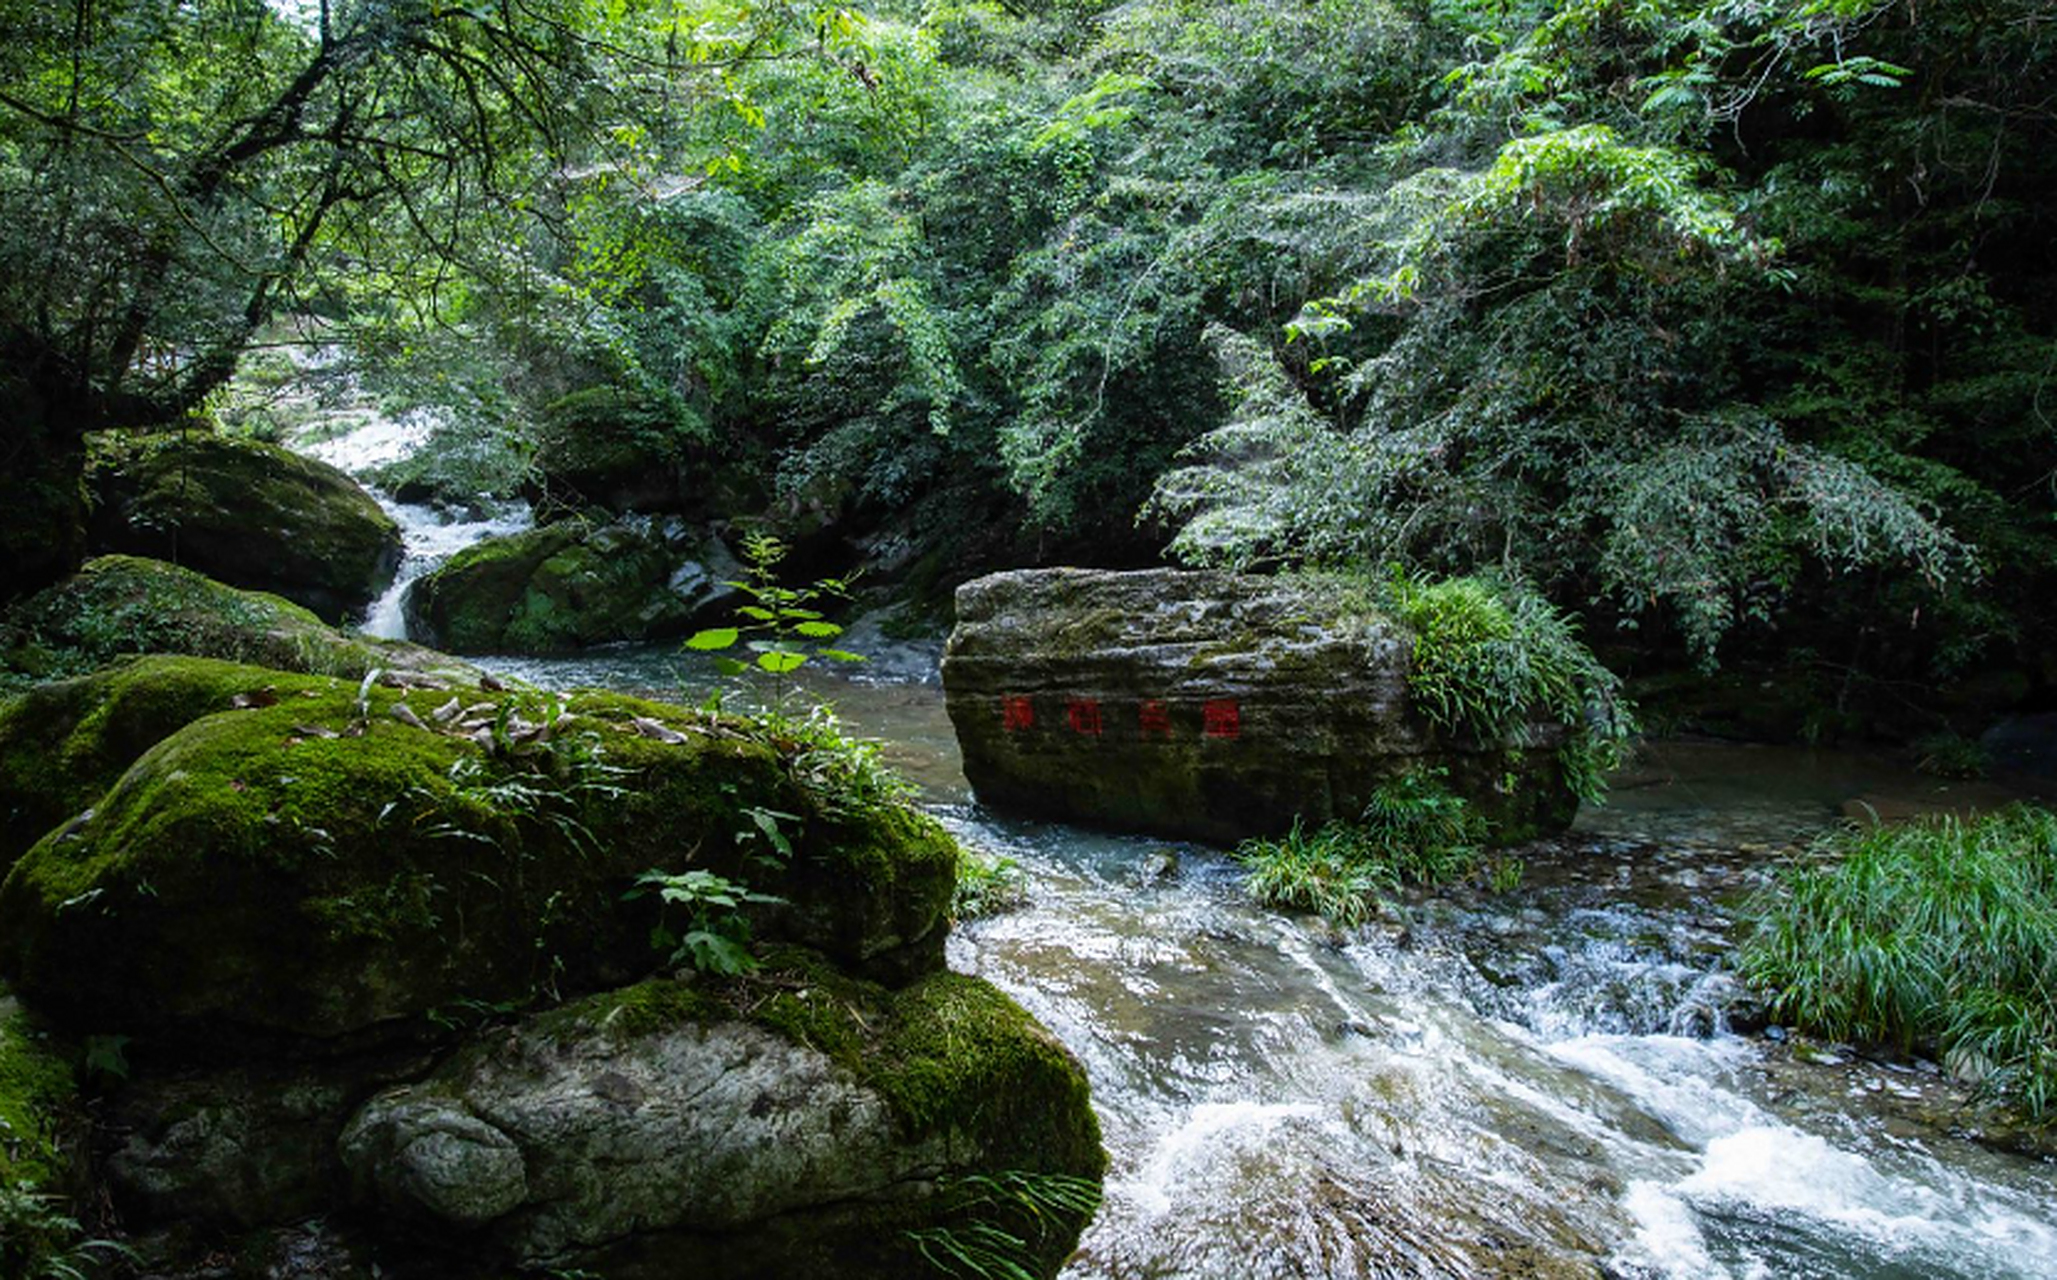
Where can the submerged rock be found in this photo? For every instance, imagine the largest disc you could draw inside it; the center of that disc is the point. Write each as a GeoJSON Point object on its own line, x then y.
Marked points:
{"type": "Point", "coordinates": [249, 514]}
{"type": "Point", "coordinates": [769, 1125]}
{"type": "Point", "coordinates": [1210, 705]}
{"type": "Point", "coordinates": [568, 585]}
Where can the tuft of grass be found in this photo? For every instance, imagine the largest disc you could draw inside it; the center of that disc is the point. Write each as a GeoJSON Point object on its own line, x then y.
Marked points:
{"type": "Point", "coordinates": [1415, 831]}
{"type": "Point", "coordinates": [1951, 755]}
{"type": "Point", "coordinates": [1939, 935]}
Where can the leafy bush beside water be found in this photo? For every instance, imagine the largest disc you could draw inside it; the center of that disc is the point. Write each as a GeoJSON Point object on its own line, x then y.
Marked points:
{"type": "Point", "coordinates": [1939, 935]}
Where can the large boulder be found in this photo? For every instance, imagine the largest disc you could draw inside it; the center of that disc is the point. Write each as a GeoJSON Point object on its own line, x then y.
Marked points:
{"type": "Point", "coordinates": [1210, 705]}
{"type": "Point", "coordinates": [337, 864]}
{"type": "Point", "coordinates": [119, 606]}
{"type": "Point", "coordinates": [250, 514]}
{"type": "Point", "coordinates": [569, 585]}
{"type": "Point", "coordinates": [790, 1122]}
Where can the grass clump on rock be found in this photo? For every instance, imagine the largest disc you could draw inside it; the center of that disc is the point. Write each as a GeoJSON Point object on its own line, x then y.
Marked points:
{"type": "Point", "coordinates": [1415, 831]}
{"type": "Point", "coordinates": [1491, 658]}
{"type": "Point", "coordinates": [1938, 936]}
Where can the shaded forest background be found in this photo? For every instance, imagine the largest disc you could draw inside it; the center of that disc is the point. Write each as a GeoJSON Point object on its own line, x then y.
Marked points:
{"type": "Point", "coordinates": [1728, 325]}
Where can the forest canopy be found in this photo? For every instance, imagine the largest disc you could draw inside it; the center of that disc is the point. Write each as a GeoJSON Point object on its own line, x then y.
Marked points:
{"type": "Point", "coordinates": [1729, 323]}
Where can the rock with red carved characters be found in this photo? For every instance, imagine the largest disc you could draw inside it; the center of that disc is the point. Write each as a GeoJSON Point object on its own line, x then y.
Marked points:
{"type": "Point", "coordinates": [1209, 705]}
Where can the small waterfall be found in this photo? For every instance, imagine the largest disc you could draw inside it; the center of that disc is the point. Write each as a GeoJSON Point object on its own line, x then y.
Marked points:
{"type": "Point", "coordinates": [428, 538]}
{"type": "Point", "coordinates": [429, 535]}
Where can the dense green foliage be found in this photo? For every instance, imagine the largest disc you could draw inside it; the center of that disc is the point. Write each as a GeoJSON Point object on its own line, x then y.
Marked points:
{"type": "Point", "coordinates": [1728, 322]}
{"type": "Point", "coordinates": [1940, 936]}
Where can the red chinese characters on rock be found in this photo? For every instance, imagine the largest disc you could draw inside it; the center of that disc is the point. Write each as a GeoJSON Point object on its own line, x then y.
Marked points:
{"type": "Point", "coordinates": [1017, 714]}
{"type": "Point", "coordinates": [1221, 718]}
{"type": "Point", "coordinates": [1083, 714]}
{"type": "Point", "coordinates": [1153, 719]}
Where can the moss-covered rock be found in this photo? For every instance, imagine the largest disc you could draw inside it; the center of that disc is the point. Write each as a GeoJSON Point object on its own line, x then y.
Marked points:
{"type": "Point", "coordinates": [249, 514]}
{"type": "Point", "coordinates": [569, 585]}
{"type": "Point", "coordinates": [119, 606]}
{"type": "Point", "coordinates": [326, 868]}
{"type": "Point", "coordinates": [63, 745]}
{"type": "Point", "coordinates": [789, 1121]}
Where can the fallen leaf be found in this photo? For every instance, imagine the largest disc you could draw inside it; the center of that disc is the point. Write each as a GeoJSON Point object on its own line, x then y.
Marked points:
{"type": "Point", "coordinates": [315, 731]}
{"type": "Point", "coordinates": [445, 713]}
{"type": "Point", "coordinates": [651, 729]}
{"type": "Point", "coordinates": [265, 697]}
{"type": "Point", "coordinates": [405, 715]}
{"type": "Point", "coordinates": [487, 680]}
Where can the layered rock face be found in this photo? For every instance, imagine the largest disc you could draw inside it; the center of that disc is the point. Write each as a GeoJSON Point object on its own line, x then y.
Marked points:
{"type": "Point", "coordinates": [1210, 705]}
{"type": "Point", "coordinates": [569, 585]}
{"type": "Point", "coordinates": [252, 515]}
{"type": "Point", "coordinates": [375, 953]}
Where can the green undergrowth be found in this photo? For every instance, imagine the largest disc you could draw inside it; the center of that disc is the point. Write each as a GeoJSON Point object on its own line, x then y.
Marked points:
{"type": "Point", "coordinates": [1492, 658]}
{"type": "Point", "coordinates": [1938, 936]}
{"type": "Point", "coordinates": [1415, 831]}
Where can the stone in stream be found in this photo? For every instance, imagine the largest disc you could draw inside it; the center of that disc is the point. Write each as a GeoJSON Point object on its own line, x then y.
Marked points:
{"type": "Point", "coordinates": [786, 1122]}
{"type": "Point", "coordinates": [569, 585]}
{"type": "Point", "coordinates": [1209, 705]}
{"type": "Point", "coordinates": [249, 514]}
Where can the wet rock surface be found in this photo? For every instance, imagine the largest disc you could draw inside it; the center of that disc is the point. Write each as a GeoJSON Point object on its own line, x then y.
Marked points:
{"type": "Point", "coordinates": [313, 910]}
{"type": "Point", "coordinates": [1207, 705]}
{"type": "Point", "coordinates": [251, 515]}
{"type": "Point", "coordinates": [570, 585]}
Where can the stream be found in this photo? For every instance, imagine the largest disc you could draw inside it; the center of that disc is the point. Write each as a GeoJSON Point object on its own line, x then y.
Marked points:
{"type": "Point", "coordinates": [1541, 1084]}
{"type": "Point", "coordinates": [1545, 1083]}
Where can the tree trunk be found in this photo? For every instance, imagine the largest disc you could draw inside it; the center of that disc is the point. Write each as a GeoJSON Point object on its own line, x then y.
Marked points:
{"type": "Point", "coordinates": [42, 490]}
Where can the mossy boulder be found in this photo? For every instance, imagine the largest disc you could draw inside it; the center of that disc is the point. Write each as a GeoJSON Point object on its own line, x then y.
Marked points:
{"type": "Point", "coordinates": [62, 745]}
{"type": "Point", "coordinates": [325, 868]}
{"type": "Point", "coordinates": [570, 585]}
{"type": "Point", "coordinates": [788, 1122]}
{"type": "Point", "coordinates": [119, 606]}
{"type": "Point", "coordinates": [249, 514]}
{"type": "Point", "coordinates": [1211, 705]}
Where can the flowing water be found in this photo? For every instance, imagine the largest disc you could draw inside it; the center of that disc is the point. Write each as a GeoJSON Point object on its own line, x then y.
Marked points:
{"type": "Point", "coordinates": [429, 535]}
{"type": "Point", "coordinates": [1541, 1084]}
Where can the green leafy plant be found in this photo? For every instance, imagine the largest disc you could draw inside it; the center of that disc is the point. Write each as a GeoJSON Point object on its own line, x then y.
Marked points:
{"type": "Point", "coordinates": [1493, 657]}
{"type": "Point", "coordinates": [716, 934]}
{"type": "Point", "coordinates": [39, 1240]}
{"type": "Point", "coordinates": [988, 884]}
{"type": "Point", "coordinates": [1010, 1217]}
{"type": "Point", "coordinates": [780, 624]}
{"type": "Point", "coordinates": [1939, 935]}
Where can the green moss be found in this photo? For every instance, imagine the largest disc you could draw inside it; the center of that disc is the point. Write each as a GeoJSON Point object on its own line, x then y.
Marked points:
{"type": "Point", "coordinates": [38, 1102]}
{"type": "Point", "coordinates": [251, 514]}
{"type": "Point", "coordinates": [63, 745]}
{"type": "Point", "coordinates": [402, 869]}
{"type": "Point", "coordinates": [468, 603]}
{"type": "Point", "coordinates": [949, 1054]}
{"type": "Point", "coordinates": [120, 606]}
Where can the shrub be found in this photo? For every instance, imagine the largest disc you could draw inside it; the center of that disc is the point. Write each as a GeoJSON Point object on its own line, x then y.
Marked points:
{"type": "Point", "coordinates": [1939, 935]}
